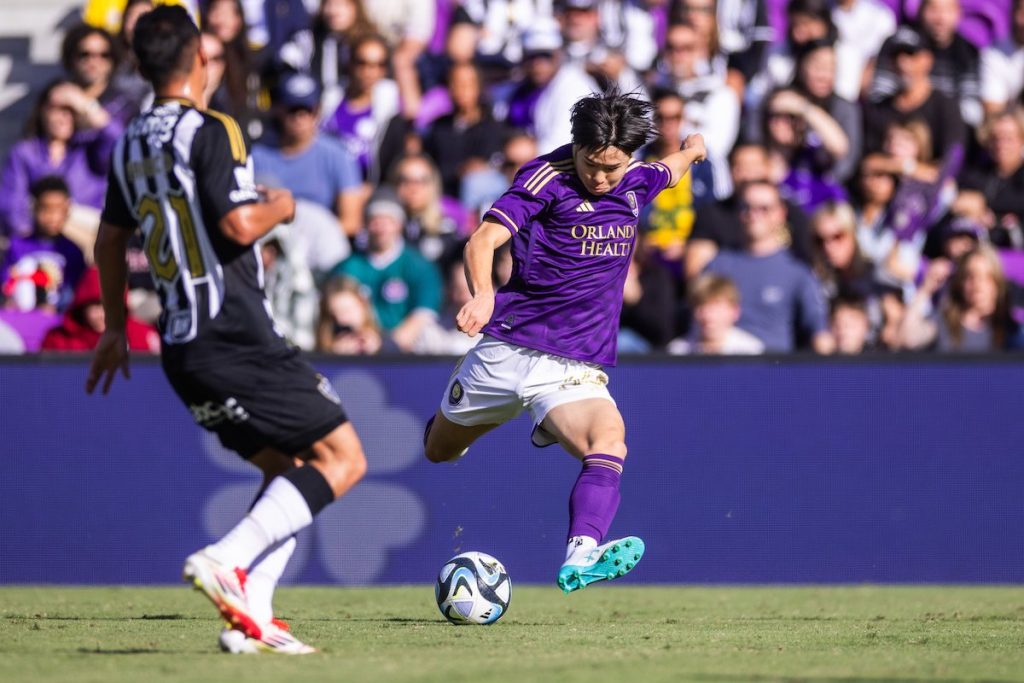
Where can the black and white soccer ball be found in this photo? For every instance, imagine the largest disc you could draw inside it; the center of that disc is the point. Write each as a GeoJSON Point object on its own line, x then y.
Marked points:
{"type": "Point", "coordinates": [473, 588]}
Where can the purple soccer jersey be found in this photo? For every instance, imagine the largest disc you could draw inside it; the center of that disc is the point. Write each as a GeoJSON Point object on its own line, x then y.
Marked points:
{"type": "Point", "coordinates": [570, 252]}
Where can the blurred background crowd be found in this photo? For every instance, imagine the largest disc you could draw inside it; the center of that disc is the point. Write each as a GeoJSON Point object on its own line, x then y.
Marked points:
{"type": "Point", "coordinates": [864, 190]}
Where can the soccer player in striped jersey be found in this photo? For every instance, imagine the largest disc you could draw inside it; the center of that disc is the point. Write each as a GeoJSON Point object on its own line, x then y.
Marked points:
{"type": "Point", "coordinates": [183, 175]}
{"type": "Point", "coordinates": [572, 217]}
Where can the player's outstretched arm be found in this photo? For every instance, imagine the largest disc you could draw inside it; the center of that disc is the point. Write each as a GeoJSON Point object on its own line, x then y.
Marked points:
{"type": "Point", "coordinates": [247, 223]}
{"type": "Point", "coordinates": [111, 352]}
{"type": "Point", "coordinates": [479, 258]}
{"type": "Point", "coordinates": [691, 152]}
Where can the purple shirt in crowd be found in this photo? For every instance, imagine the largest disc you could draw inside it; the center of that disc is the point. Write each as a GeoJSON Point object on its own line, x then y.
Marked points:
{"type": "Point", "coordinates": [570, 252]}
{"type": "Point", "coordinates": [84, 169]}
{"type": "Point", "coordinates": [357, 131]}
{"type": "Point", "coordinates": [55, 264]}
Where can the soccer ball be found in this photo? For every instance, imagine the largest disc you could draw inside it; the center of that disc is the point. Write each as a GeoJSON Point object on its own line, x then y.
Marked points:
{"type": "Point", "coordinates": [473, 588]}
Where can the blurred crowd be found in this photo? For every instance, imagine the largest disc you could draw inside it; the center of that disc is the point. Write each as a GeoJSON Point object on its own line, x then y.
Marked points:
{"type": "Point", "coordinates": [864, 190]}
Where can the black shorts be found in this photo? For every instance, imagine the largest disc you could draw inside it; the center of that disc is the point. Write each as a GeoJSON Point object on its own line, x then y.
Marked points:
{"type": "Point", "coordinates": [252, 403]}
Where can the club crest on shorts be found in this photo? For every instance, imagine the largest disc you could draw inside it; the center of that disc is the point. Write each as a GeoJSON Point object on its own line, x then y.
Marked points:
{"type": "Point", "coordinates": [631, 196]}
{"type": "Point", "coordinates": [456, 393]}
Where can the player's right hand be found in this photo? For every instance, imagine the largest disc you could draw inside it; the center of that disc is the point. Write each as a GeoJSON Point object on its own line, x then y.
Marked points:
{"type": "Point", "coordinates": [695, 143]}
{"type": "Point", "coordinates": [475, 314]}
{"type": "Point", "coordinates": [111, 354]}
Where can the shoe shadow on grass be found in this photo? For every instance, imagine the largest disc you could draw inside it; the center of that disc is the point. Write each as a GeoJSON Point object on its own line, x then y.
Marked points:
{"type": "Point", "coordinates": [121, 651]}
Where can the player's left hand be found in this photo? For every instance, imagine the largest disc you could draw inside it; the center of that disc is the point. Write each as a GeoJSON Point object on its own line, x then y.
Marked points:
{"type": "Point", "coordinates": [475, 314]}
{"type": "Point", "coordinates": [111, 354]}
{"type": "Point", "coordinates": [695, 144]}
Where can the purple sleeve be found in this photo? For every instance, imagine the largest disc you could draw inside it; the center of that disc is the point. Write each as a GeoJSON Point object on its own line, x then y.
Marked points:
{"type": "Point", "coordinates": [99, 144]}
{"type": "Point", "coordinates": [656, 177]}
{"type": "Point", "coordinates": [525, 199]}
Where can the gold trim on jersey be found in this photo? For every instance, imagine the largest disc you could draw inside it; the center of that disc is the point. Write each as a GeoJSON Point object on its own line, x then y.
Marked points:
{"type": "Point", "coordinates": [546, 173]}
{"type": "Point", "coordinates": [504, 216]}
{"type": "Point", "coordinates": [234, 134]}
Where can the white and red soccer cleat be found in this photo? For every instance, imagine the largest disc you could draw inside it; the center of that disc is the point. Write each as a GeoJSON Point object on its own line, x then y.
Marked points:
{"type": "Point", "coordinates": [276, 638]}
{"type": "Point", "coordinates": [225, 587]}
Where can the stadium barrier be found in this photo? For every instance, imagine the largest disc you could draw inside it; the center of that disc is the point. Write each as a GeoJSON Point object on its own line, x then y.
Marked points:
{"type": "Point", "coordinates": [791, 470]}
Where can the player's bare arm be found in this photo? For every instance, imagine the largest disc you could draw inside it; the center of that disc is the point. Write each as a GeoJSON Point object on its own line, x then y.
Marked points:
{"type": "Point", "coordinates": [112, 350]}
{"type": "Point", "coordinates": [248, 223]}
{"type": "Point", "coordinates": [691, 152]}
{"type": "Point", "coordinates": [479, 266]}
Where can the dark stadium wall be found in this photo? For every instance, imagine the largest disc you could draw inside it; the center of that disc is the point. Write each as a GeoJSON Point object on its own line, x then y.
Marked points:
{"type": "Point", "coordinates": [794, 471]}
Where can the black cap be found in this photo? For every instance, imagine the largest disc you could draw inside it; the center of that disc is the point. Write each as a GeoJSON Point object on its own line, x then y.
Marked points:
{"type": "Point", "coordinates": [909, 39]}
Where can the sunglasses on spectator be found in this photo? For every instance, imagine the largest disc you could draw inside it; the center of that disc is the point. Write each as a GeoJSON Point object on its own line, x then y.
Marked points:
{"type": "Point", "coordinates": [759, 208]}
{"type": "Point", "coordinates": [783, 115]}
{"type": "Point", "coordinates": [370, 62]}
{"type": "Point", "coordinates": [699, 9]}
{"type": "Point", "coordinates": [667, 118]}
{"type": "Point", "coordinates": [86, 54]}
{"type": "Point", "coordinates": [840, 236]}
{"type": "Point", "coordinates": [681, 47]}
{"type": "Point", "coordinates": [414, 179]}
{"type": "Point", "coordinates": [539, 55]}
{"type": "Point", "coordinates": [298, 109]}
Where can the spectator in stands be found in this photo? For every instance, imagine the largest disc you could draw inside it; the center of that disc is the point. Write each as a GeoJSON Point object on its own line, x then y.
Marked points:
{"type": "Point", "coordinates": [629, 27]}
{"type": "Point", "coordinates": [809, 143]}
{"type": "Point", "coordinates": [863, 25]}
{"type": "Point", "coordinates": [999, 181]}
{"type": "Point", "coordinates": [404, 287]}
{"type": "Point", "coordinates": [467, 138]}
{"type": "Point", "coordinates": [290, 288]}
{"type": "Point", "coordinates": [741, 29]}
{"type": "Point", "coordinates": [336, 27]}
{"type": "Point", "coordinates": [368, 119]}
{"type": "Point", "coordinates": [434, 222]}
{"type": "Point", "coordinates": [850, 325]}
{"type": "Point", "coordinates": [955, 63]}
{"type": "Point", "coordinates": [974, 315]}
{"type": "Point", "coordinates": [549, 89]}
{"type": "Point", "coordinates": [669, 218]}
{"type": "Point", "coordinates": [838, 262]}
{"type": "Point", "coordinates": [715, 302]}
{"type": "Point", "coordinates": [1002, 66]}
{"type": "Point", "coordinates": [480, 187]}
{"type": "Point", "coordinates": [347, 325]}
{"type": "Point", "coordinates": [126, 78]}
{"type": "Point", "coordinates": [711, 107]}
{"type": "Point", "coordinates": [43, 269]}
{"type": "Point", "coordinates": [915, 97]}
{"type": "Point", "coordinates": [896, 261]}
{"type": "Point", "coordinates": [407, 27]}
{"type": "Point", "coordinates": [718, 225]}
{"type": "Point", "coordinates": [68, 135]}
{"type": "Point", "coordinates": [87, 55]}
{"type": "Point", "coordinates": [313, 166]}
{"type": "Point", "coordinates": [83, 323]}
{"type": "Point", "coordinates": [586, 46]}
{"type": "Point", "coordinates": [780, 295]}
{"type": "Point", "coordinates": [503, 24]}
{"type": "Point", "coordinates": [442, 335]}
{"type": "Point", "coordinates": [277, 32]}
{"type": "Point", "coordinates": [703, 17]}
{"type": "Point", "coordinates": [815, 81]}
{"type": "Point", "coordinates": [648, 306]}
{"type": "Point", "coordinates": [233, 79]}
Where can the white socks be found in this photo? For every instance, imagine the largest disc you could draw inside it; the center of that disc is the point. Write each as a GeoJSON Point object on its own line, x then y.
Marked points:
{"type": "Point", "coordinates": [280, 513]}
{"type": "Point", "coordinates": [579, 550]}
{"type": "Point", "coordinates": [263, 578]}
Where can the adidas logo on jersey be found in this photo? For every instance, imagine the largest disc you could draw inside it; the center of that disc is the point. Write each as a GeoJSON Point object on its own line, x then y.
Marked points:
{"type": "Point", "coordinates": [584, 207]}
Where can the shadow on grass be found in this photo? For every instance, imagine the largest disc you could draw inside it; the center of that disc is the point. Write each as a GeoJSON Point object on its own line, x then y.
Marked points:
{"type": "Point", "coordinates": [121, 651]}
{"type": "Point", "coordinates": [144, 617]}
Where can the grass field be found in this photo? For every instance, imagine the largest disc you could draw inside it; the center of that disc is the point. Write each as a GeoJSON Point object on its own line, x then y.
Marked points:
{"type": "Point", "coordinates": [604, 634]}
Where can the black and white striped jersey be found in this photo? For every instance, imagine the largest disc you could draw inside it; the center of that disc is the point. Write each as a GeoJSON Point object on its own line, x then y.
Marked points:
{"type": "Point", "coordinates": [175, 173]}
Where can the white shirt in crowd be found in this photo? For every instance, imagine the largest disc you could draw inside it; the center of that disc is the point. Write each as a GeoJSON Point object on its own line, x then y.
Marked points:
{"type": "Point", "coordinates": [862, 29]}
{"type": "Point", "coordinates": [737, 343]}
{"type": "Point", "coordinates": [400, 19]}
{"type": "Point", "coordinates": [1002, 72]}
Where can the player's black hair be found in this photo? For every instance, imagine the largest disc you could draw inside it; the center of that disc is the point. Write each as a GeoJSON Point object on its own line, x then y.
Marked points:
{"type": "Point", "coordinates": [165, 43]}
{"type": "Point", "coordinates": [49, 183]}
{"type": "Point", "coordinates": [612, 120]}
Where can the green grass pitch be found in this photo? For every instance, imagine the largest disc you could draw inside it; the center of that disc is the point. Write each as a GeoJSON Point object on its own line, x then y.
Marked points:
{"type": "Point", "coordinates": [603, 634]}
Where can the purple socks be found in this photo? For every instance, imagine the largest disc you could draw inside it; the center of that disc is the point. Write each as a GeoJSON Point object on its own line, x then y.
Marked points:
{"type": "Point", "coordinates": [595, 497]}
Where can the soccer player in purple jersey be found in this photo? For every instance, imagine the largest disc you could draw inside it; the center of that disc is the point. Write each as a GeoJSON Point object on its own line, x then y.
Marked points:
{"type": "Point", "coordinates": [572, 218]}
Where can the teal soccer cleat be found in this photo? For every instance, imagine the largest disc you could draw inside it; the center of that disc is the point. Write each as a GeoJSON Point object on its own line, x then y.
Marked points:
{"type": "Point", "coordinates": [612, 560]}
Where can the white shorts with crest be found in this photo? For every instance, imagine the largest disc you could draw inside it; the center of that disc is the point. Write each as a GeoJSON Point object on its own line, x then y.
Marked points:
{"type": "Point", "coordinates": [496, 381]}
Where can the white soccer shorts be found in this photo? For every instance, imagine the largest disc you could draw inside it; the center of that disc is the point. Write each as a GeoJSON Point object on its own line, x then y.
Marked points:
{"type": "Point", "coordinates": [496, 381]}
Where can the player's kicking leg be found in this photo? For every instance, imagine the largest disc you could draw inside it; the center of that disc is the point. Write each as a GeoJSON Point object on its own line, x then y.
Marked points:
{"type": "Point", "coordinates": [592, 430]}
{"type": "Point", "coordinates": [332, 466]}
{"type": "Point", "coordinates": [444, 440]}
